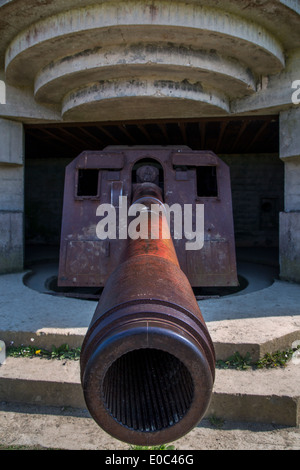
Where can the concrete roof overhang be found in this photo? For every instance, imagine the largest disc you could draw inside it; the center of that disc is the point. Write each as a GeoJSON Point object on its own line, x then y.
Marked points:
{"type": "Point", "coordinates": [112, 60]}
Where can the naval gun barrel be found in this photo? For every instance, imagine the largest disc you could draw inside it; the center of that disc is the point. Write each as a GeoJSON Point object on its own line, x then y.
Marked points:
{"type": "Point", "coordinates": [147, 360]}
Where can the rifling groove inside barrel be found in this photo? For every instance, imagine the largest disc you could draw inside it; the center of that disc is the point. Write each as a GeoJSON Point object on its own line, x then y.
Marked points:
{"type": "Point", "coordinates": [155, 379]}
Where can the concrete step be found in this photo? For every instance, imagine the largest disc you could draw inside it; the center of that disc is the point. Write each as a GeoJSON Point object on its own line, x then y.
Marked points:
{"type": "Point", "coordinates": [262, 396]}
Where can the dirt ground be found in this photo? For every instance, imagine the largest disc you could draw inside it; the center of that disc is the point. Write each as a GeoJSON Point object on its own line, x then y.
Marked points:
{"type": "Point", "coordinates": [74, 429]}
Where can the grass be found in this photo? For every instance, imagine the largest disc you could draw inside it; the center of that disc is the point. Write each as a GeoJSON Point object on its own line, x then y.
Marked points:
{"type": "Point", "coordinates": [216, 422]}
{"type": "Point", "coordinates": [236, 361]}
{"type": "Point", "coordinates": [161, 447]}
{"type": "Point", "coordinates": [61, 352]}
{"type": "Point", "coordinates": [37, 447]}
{"type": "Point", "coordinates": [269, 360]}
{"type": "Point", "coordinates": [276, 359]}
{"type": "Point", "coordinates": [23, 447]}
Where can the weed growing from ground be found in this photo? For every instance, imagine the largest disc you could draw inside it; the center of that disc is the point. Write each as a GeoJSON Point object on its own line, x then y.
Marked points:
{"type": "Point", "coordinates": [61, 352]}
{"type": "Point", "coordinates": [236, 361]}
{"type": "Point", "coordinates": [269, 360]}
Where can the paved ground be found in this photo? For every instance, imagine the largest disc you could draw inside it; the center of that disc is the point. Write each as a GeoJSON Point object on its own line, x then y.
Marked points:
{"type": "Point", "coordinates": [74, 430]}
{"type": "Point", "coordinates": [266, 316]}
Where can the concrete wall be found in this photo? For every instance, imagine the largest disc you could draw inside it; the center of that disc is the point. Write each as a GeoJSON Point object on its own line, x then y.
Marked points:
{"type": "Point", "coordinates": [290, 218]}
{"type": "Point", "coordinates": [11, 196]}
{"type": "Point", "coordinates": [257, 183]}
{"type": "Point", "coordinates": [44, 186]}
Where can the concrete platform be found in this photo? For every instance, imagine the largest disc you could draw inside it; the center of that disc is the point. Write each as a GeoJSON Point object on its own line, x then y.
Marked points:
{"type": "Point", "coordinates": [73, 429]}
{"type": "Point", "coordinates": [41, 404]}
{"type": "Point", "coordinates": [263, 396]}
{"type": "Point", "coordinates": [263, 318]}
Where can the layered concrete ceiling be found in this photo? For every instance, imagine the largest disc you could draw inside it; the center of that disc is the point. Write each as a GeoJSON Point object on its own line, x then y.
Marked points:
{"type": "Point", "coordinates": [230, 135]}
{"type": "Point", "coordinates": [123, 60]}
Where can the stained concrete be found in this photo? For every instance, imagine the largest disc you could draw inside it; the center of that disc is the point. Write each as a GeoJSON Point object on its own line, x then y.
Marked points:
{"type": "Point", "coordinates": [11, 196]}
{"type": "Point", "coordinates": [73, 429]}
{"type": "Point", "coordinates": [244, 55]}
{"type": "Point", "coordinates": [155, 60]}
{"type": "Point", "coordinates": [192, 22]}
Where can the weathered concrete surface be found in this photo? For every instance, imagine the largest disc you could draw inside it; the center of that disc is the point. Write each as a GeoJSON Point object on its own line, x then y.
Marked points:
{"type": "Point", "coordinates": [270, 396]}
{"type": "Point", "coordinates": [290, 246]}
{"type": "Point", "coordinates": [292, 183]}
{"type": "Point", "coordinates": [155, 60]}
{"type": "Point", "coordinates": [27, 314]}
{"type": "Point", "coordinates": [289, 132]}
{"type": "Point", "coordinates": [11, 196]}
{"type": "Point", "coordinates": [237, 56]}
{"type": "Point", "coordinates": [274, 92]}
{"type": "Point", "coordinates": [42, 404]}
{"type": "Point", "coordinates": [267, 396]}
{"type": "Point", "coordinates": [62, 428]}
{"type": "Point", "coordinates": [256, 322]}
{"type": "Point", "coordinates": [44, 382]}
{"type": "Point", "coordinates": [11, 241]}
{"type": "Point", "coordinates": [11, 138]}
{"type": "Point", "coordinates": [148, 24]}
{"type": "Point", "coordinates": [144, 99]}
{"type": "Point", "coordinates": [290, 219]}
{"type": "Point", "coordinates": [279, 17]}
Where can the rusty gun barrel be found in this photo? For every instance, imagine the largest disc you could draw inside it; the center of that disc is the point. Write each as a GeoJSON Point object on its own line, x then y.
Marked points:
{"type": "Point", "coordinates": [147, 361]}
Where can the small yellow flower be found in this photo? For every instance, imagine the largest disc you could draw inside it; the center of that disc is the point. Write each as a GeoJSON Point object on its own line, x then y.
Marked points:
{"type": "Point", "coordinates": [38, 351]}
